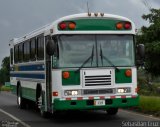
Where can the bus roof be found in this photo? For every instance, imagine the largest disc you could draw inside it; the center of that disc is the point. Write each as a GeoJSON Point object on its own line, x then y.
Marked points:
{"type": "Point", "coordinates": [54, 24]}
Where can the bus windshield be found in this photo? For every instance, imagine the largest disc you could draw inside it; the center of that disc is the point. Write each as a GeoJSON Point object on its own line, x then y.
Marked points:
{"type": "Point", "coordinates": [74, 50]}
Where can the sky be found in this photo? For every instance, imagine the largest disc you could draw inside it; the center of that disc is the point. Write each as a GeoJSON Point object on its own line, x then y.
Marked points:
{"type": "Point", "coordinates": [18, 17]}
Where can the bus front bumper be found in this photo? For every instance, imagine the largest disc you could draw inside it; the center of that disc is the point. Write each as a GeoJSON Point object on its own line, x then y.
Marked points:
{"type": "Point", "coordinates": [89, 104]}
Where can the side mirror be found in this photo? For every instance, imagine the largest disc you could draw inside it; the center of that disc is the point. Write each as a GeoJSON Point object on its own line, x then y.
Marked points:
{"type": "Point", "coordinates": [50, 47]}
{"type": "Point", "coordinates": [140, 54]}
{"type": "Point", "coordinates": [141, 51]}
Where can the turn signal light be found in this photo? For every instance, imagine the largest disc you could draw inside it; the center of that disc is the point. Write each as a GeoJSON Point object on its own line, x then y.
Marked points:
{"type": "Point", "coordinates": [128, 73]}
{"type": "Point", "coordinates": [66, 74]}
{"type": "Point", "coordinates": [72, 26]}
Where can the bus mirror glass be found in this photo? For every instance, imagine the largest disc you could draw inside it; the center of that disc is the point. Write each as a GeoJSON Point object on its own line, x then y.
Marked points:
{"type": "Point", "coordinates": [141, 50]}
{"type": "Point", "coordinates": [50, 47]}
{"type": "Point", "coordinates": [140, 55]}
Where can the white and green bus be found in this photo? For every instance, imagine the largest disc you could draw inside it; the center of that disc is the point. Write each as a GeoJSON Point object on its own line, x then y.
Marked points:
{"type": "Point", "coordinates": [79, 62]}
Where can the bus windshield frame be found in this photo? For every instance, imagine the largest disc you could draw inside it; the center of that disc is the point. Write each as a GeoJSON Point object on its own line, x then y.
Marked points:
{"type": "Point", "coordinates": [73, 50]}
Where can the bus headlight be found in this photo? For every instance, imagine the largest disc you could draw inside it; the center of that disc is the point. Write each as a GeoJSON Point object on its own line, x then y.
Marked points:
{"type": "Point", "coordinates": [72, 92]}
{"type": "Point", "coordinates": [124, 90]}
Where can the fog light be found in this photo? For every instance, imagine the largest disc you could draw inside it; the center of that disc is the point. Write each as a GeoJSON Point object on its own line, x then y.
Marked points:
{"type": "Point", "coordinates": [123, 90]}
{"type": "Point", "coordinates": [72, 92]}
{"type": "Point", "coordinates": [120, 90]}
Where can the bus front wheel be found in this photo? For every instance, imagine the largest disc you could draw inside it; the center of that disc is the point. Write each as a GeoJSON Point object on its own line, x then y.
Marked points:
{"type": "Point", "coordinates": [20, 100]}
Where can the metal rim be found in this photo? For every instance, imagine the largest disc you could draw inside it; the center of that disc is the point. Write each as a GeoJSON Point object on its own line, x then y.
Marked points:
{"type": "Point", "coordinates": [19, 98]}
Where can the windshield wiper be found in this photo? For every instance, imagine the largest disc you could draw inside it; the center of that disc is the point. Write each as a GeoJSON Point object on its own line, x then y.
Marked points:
{"type": "Point", "coordinates": [102, 56]}
{"type": "Point", "coordinates": [90, 57]}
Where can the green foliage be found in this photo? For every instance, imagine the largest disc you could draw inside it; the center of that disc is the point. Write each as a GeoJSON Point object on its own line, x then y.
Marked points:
{"type": "Point", "coordinates": [146, 87]}
{"type": "Point", "coordinates": [151, 38]}
{"type": "Point", "coordinates": [4, 88]}
{"type": "Point", "coordinates": [150, 105]}
{"type": "Point", "coordinates": [4, 71]}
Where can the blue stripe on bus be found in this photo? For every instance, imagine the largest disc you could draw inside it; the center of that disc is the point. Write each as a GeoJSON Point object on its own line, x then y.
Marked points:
{"type": "Point", "coordinates": [38, 67]}
{"type": "Point", "coordinates": [33, 76]}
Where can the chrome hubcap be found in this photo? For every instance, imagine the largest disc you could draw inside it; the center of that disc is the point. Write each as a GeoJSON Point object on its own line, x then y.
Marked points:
{"type": "Point", "coordinates": [19, 100]}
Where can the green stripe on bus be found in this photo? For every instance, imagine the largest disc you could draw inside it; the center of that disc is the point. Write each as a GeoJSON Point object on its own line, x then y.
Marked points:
{"type": "Point", "coordinates": [94, 24]}
{"type": "Point", "coordinates": [29, 93]}
{"type": "Point", "coordinates": [120, 76]}
{"type": "Point", "coordinates": [82, 104]}
{"type": "Point", "coordinates": [13, 89]}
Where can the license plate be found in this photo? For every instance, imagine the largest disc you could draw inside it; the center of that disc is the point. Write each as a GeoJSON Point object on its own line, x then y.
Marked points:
{"type": "Point", "coordinates": [99, 102]}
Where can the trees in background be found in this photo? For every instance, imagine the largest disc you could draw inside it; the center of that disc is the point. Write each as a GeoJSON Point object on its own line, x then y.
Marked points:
{"type": "Point", "coordinates": [4, 71]}
{"type": "Point", "coordinates": [150, 36]}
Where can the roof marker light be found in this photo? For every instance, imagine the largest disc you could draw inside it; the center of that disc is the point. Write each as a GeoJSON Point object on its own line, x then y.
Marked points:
{"type": "Point", "coordinates": [127, 25]}
{"type": "Point", "coordinates": [72, 26]}
{"type": "Point", "coordinates": [63, 26]}
{"type": "Point", "coordinates": [96, 14]}
{"type": "Point", "coordinates": [89, 14]}
{"type": "Point", "coordinates": [102, 14]}
{"type": "Point", "coordinates": [119, 26]}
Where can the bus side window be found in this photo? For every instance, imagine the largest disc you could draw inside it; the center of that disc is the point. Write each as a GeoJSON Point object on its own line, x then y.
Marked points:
{"type": "Point", "coordinates": [11, 54]}
{"type": "Point", "coordinates": [26, 47]}
{"type": "Point", "coordinates": [40, 48]}
{"type": "Point", "coordinates": [16, 54]}
{"type": "Point", "coordinates": [20, 53]}
{"type": "Point", "coordinates": [33, 49]}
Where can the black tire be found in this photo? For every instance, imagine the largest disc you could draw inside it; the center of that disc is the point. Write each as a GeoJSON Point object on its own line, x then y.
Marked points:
{"type": "Point", "coordinates": [21, 102]}
{"type": "Point", "coordinates": [112, 111]}
{"type": "Point", "coordinates": [45, 114]}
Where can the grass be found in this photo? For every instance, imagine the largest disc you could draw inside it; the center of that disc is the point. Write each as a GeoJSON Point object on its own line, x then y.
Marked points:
{"type": "Point", "coordinates": [150, 105]}
{"type": "Point", "coordinates": [4, 88]}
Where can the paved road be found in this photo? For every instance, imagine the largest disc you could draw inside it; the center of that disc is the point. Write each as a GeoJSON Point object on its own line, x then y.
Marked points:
{"type": "Point", "coordinates": [31, 118]}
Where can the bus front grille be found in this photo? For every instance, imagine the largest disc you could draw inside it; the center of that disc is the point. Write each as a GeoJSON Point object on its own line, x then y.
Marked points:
{"type": "Point", "coordinates": [100, 80]}
{"type": "Point", "coordinates": [98, 91]}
